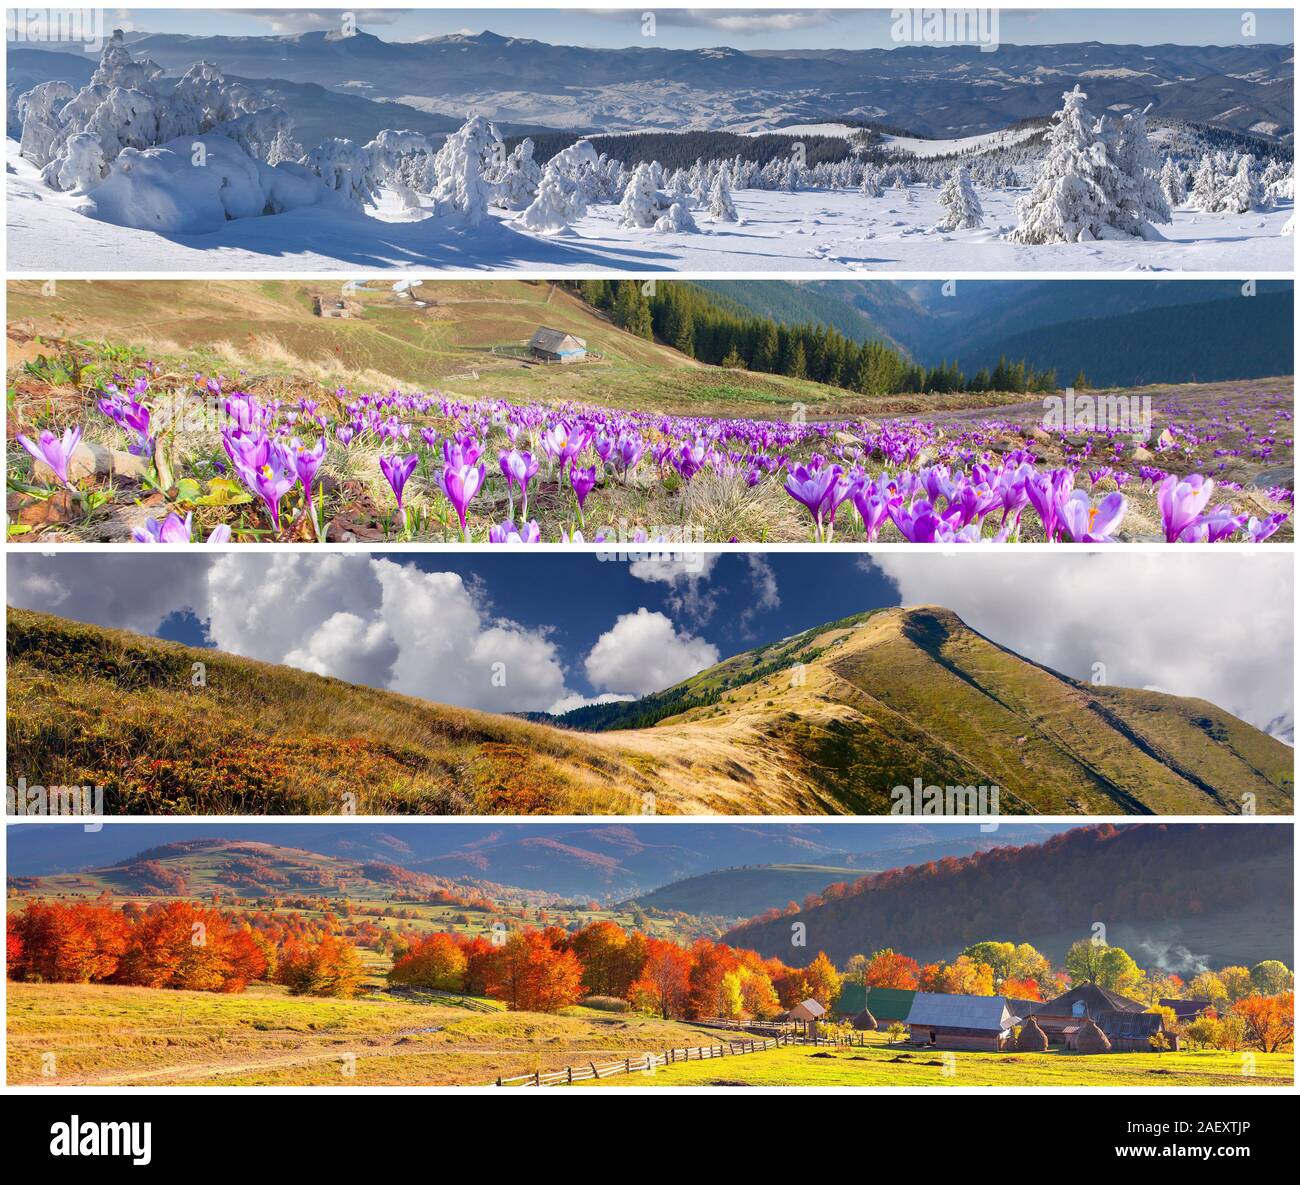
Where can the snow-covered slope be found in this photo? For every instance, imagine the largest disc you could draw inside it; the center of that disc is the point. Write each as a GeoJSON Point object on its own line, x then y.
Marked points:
{"type": "Point", "coordinates": [779, 232]}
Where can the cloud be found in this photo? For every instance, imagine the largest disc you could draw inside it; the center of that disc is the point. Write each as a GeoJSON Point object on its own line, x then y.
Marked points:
{"type": "Point", "coordinates": [284, 21]}
{"type": "Point", "coordinates": [102, 588]}
{"type": "Point", "coordinates": [643, 652]}
{"type": "Point", "coordinates": [574, 700]}
{"type": "Point", "coordinates": [767, 595]}
{"type": "Point", "coordinates": [372, 621]}
{"type": "Point", "coordinates": [687, 580]}
{"type": "Point", "coordinates": [1195, 624]}
{"type": "Point", "coordinates": [772, 20]}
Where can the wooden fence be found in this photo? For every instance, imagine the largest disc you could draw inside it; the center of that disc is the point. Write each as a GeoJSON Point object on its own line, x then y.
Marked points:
{"type": "Point", "coordinates": [644, 1062]}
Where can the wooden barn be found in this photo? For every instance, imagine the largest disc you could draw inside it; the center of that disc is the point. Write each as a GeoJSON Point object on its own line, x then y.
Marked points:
{"type": "Point", "coordinates": [1185, 1010]}
{"type": "Point", "coordinates": [1062, 1018]}
{"type": "Point", "coordinates": [961, 1022]}
{"type": "Point", "coordinates": [1126, 1023]}
{"type": "Point", "coordinates": [1132, 1032]}
{"type": "Point", "coordinates": [554, 345]}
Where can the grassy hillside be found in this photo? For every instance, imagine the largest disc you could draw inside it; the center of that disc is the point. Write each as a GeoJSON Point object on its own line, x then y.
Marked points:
{"type": "Point", "coordinates": [829, 721]}
{"type": "Point", "coordinates": [126, 1036]}
{"type": "Point", "coordinates": [1220, 893]}
{"type": "Point", "coordinates": [462, 340]}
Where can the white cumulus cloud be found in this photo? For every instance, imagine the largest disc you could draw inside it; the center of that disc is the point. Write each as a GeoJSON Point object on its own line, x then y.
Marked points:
{"type": "Point", "coordinates": [644, 652]}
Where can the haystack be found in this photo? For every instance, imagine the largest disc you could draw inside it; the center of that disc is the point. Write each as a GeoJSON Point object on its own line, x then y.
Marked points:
{"type": "Point", "coordinates": [1032, 1039]}
{"type": "Point", "coordinates": [865, 1022]}
{"type": "Point", "coordinates": [1091, 1039]}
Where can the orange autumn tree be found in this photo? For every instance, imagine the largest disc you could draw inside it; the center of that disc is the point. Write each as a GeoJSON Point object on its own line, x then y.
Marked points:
{"type": "Point", "coordinates": [611, 958]}
{"type": "Point", "coordinates": [437, 962]}
{"type": "Point", "coordinates": [328, 967]}
{"type": "Point", "coordinates": [180, 945]}
{"type": "Point", "coordinates": [59, 943]}
{"type": "Point", "coordinates": [821, 982]}
{"type": "Point", "coordinates": [534, 972]}
{"type": "Point", "coordinates": [1270, 1020]}
{"type": "Point", "coordinates": [665, 981]}
{"type": "Point", "coordinates": [889, 969]}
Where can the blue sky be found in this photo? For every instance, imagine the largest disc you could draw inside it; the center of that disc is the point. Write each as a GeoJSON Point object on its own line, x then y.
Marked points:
{"type": "Point", "coordinates": [773, 28]}
{"type": "Point", "coordinates": [540, 630]}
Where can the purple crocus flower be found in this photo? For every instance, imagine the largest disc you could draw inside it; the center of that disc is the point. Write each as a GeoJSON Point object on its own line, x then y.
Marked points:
{"type": "Point", "coordinates": [55, 452]}
{"type": "Point", "coordinates": [506, 533]}
{"type": "Point", "coordinates": [1086, 523]}
{"type": "Point", "coordinates": [173, 529]}
{"type": "Point", "coordinates": [397, 469]}
{"type": "Point", "coordinates": [583, 481]}
{"type": "Point", "coordinates": [307, 462]}
{"type": "Point", "coordinates": [519, 469]}
{"type": "Point", "coordinates": [274, 478]}
{"type": "Point", "coordinates": [1181, 500]}
{"type": "Point", "coordinates": [812, 487]}
{"type": "Point", "coordinates": [460, 483]}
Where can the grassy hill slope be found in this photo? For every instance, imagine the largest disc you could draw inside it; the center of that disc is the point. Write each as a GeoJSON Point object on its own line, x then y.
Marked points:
{"type": "Point", "coordinates": [826, 722]}
{"type": "Point", "coordinates": [1219, 894]}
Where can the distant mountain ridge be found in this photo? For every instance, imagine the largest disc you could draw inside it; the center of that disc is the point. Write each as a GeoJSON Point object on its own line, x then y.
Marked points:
{"type": "Point", "coordinates": [943, 91]}
{"type": "Point", "coordinates": [1187, 330]}
{"type": "Point", "coordinates": [595, 860]}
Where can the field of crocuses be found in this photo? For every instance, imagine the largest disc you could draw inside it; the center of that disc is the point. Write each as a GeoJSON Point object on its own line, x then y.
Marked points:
{"type": "Point", "coordinates": [205, 458]}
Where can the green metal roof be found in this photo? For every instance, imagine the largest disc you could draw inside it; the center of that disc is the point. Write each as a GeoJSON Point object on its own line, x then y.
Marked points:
{"type": "Point", "coordinates": [889, 1004]}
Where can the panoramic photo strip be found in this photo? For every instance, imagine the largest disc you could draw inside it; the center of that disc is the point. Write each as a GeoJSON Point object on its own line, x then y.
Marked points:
{"type": "Point", "coordinates": [688, 140]}
{"type": "Point", "coordinates": [637, 411]}
{"type": "Point", "coordinates": [1062, 683]}
{"type": "Point", "coordinates": [611, 955]}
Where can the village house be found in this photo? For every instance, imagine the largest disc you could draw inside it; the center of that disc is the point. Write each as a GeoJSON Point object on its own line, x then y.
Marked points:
{"type": "Point", "coordinates": [554, 345]}
{"type": "Point", "coordinates": [1126, 1023]}
{"type": "Point", "coordinates": [961, 1022]}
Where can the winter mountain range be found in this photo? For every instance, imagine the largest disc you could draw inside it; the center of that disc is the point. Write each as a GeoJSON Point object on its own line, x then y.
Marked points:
{"type": "Point", "coordinates": [943, 92]}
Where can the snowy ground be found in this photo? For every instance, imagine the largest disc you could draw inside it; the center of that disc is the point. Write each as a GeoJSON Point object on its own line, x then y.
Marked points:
{"type": "Point", "coordinates": [812, 231]}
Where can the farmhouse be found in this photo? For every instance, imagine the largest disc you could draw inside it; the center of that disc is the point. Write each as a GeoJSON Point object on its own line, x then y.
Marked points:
{"type": "Point", "coordinates": [1185, 1010]}
{"type": "Point", "coordinates": [806, 1012]}
{"type": "Point", "coordinates": [554, 345]}
{"type": "Point", "coordinates": [960, 1022]}
{"type": "Point", "coordinates": [1126, 1023]}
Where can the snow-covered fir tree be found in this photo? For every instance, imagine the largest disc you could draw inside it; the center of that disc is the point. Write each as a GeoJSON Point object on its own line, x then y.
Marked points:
{"type": "Point", "coordinates": [721, 207]}
{"type": "Point", "coordinates": [1137, 200]}
{"type": "Point", "coordinates": [561, 196]}
{"type": "Point", "coordinates": [519, 180]}
{"type": "Point", "coordinates": [1172, 184]}
{"type": "Point", "coordinates": [960, 203]}
{"type": "Point", "coordinates": [344, 167]}
{"type": "Point", "coordinates": [676, 220]}
{"type": "Point", "coordinates": [1070, 200]}
{"type": "Point", "coordinates": [460, 170]}
{"type": "Point", "coordinates": [642, 204]}
{"type": "Point", "coordinates": [1241, 194]}
{"type": "Point", "coordinates": [1205, 195]}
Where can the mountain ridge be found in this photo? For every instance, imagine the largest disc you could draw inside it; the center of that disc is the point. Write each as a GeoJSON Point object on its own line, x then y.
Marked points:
{"type": "Point", "coordinates": [833, 720]}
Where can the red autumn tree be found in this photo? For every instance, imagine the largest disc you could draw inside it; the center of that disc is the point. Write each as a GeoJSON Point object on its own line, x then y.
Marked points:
{"type": "Point", "coordinates": [1270, 1020]}
{"type": "Point", "coordinates": [889, 969]}
{"type": "Point", "coordinates": [79, 943]}
{"type": "Point", "coordinates": [533, 974]}
{"type": "Point", "coordinates": [665, 980]}
{"type": "Point", "coordinates": [436, 961]}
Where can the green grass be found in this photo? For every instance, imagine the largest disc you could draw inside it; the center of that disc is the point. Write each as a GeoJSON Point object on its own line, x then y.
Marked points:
{"type": "Point", "coordinates": [882, 1064]}
{"type": "Point", "coordinates": [122, 1036]}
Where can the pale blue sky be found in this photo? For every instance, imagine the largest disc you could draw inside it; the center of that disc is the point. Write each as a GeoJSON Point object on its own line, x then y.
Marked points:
{"type": "Point", "coordinates": [808, 28]}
